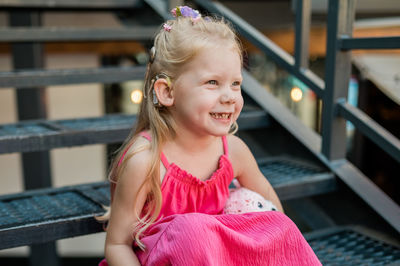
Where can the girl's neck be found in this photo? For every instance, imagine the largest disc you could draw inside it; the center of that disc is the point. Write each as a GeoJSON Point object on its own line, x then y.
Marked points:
{"type": "Point", "coordinates": [193, 143]}
{"type": "Point", "coordinates": [198, 156]}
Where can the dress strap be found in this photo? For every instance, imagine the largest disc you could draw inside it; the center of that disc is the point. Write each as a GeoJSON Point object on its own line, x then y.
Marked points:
{"type": "Point", "coordinates": [225, 142]}
{"type": "Point", "coordinates": [143, 134]}
{"type": "Point", "coordinates": [164, 160]}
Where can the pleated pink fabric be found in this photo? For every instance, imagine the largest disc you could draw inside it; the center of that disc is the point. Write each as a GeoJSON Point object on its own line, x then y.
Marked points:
{"type": "Point", "coordinates": [262, 238]}
{"type": "Point", "coordinates": [192, 230]}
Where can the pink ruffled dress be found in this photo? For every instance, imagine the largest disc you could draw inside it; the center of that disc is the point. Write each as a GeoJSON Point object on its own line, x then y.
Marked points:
{"type": "Point", "coordinates": [192, 229]}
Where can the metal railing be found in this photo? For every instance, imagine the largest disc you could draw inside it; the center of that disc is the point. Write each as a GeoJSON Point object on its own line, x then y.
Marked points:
{"type": "Point", "coordinates": [330, 146]}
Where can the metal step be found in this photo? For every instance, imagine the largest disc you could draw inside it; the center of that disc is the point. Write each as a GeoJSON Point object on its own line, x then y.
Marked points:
{"type": "Point", "coordinates": [40, 216]}
{"type": "Point", "coordinates": [42, 135]}
{"type": "Point", "coordinates": [41, 78]}
{"type": "Point", "coordinates": [294, 178]}
{"type": "Point", "coordinates": [352, 246]}
{"type": "Point", "coordinates": [43, 34]}
{"type": "Point", "coordinates": [39, 135]}
{"type": "Point", "coordinates": [46, 215]}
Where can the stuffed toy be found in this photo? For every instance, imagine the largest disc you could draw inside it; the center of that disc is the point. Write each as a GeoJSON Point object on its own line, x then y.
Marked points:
{"type": "Point", "coordinates": [242, 200]}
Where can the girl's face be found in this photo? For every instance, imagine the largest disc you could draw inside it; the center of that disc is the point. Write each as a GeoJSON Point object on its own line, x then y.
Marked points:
{"type": "Point", "coordinates": [207, 94]}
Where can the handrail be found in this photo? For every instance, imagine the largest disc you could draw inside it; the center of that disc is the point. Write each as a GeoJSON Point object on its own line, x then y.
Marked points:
{"type": "Point", "coordinates": [347, 43]}
{"type": "Point", "coordinates": [371, 129]}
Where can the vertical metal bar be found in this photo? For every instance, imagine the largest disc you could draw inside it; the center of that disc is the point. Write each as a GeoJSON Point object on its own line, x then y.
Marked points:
{"type": "Point", "coordinates": [32, 105]}
{"type": "Point", "coordinates": [303, 22]}
{"type": "Point", "coordinates": [337, 74]}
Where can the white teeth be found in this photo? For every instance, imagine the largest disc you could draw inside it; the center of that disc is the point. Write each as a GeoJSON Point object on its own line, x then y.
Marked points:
{"type": "Point", "coordinates": [221, 115]}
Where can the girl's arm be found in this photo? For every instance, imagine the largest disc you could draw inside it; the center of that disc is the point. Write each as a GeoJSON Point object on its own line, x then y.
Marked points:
{"type": "Point", "coordinates": [119, 238]}
{"type": "Point", "coordinates": [247, 172]}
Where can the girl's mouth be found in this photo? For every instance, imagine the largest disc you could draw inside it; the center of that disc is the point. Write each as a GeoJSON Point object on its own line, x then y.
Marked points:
{"type": "Point", "coordinates": [221, 115]}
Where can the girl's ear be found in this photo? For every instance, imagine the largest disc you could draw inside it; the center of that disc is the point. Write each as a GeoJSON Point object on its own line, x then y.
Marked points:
{"type": "Point", "coordinates": [164, 92]}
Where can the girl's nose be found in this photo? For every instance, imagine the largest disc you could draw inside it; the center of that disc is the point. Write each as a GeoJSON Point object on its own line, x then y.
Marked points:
{"type": "Point", "coordinates": [228, 96]}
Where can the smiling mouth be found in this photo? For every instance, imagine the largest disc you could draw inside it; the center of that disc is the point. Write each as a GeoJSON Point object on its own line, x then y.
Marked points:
{"type": "Point", "coordinates": [221, 115]}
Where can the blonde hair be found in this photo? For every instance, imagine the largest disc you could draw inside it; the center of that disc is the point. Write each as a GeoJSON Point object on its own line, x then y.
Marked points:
{"type": "Point", "coordinates": [173, 49]}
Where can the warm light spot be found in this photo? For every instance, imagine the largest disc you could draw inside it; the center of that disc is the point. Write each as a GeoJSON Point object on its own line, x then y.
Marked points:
{"type": "Point", "coordinates": [296, 94]}
{"type": "Point", "coordinates": [136, 96]}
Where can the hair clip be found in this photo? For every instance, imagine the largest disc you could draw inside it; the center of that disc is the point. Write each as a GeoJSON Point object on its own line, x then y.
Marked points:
{"type": "Point", "coordinates": [167, 27]}
{"type": "Point", "coordinates": [186, 12]}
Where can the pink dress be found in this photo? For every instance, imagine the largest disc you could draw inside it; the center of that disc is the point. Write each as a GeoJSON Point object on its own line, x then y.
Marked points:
{"type": "Point", "coordinates": [192, 230]}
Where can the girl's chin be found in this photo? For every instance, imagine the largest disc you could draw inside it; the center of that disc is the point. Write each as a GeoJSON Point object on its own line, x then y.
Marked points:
{"type": "Point", "coordinates": [222, 131]}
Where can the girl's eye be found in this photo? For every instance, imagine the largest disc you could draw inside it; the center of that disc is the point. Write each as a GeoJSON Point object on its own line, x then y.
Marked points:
{"type": "Point", "coordinates": [236, 83]}
{"type": "Point", "coordinates": [212, 82]}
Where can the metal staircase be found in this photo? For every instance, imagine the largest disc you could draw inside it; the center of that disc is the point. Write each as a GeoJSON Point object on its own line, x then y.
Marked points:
{"type": "Point", "coordinates": [42, 215]}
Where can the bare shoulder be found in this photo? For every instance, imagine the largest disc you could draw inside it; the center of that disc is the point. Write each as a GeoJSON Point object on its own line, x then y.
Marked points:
{"type": "Point", "coordinates": [138, 158]}
{"type": "Point", "coordinates": [239, 154]}
{"type": "Point", "coordinates": [237, 147]}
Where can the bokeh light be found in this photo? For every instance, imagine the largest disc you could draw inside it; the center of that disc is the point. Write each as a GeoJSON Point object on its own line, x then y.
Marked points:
{"type": "Point", "coordinates": [136, 96]}
{"type": "Point", "coordinates": [296, 94]}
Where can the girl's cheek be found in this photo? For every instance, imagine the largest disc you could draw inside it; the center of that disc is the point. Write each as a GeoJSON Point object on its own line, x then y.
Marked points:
{"type": "Point", "coordinates": [241, 103]}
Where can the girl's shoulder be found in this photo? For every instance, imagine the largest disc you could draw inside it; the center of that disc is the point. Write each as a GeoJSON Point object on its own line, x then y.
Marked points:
{"type": "Point", "coordinates": [236, 145]}
{"type": "Point", "coordinates": [241, 157]}
{"type": "Point", "coordinates": [138, 154]}
{"type": "Point", "coordinates": [239, 153]}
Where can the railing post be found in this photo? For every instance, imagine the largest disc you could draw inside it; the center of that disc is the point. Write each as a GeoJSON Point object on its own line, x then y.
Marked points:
{"type": "Point", "coordinates": [337, 75]}
{"type": "Point", "coordinates": [32, 105]}
{"type": "Point", "coordinates": [303, 19]}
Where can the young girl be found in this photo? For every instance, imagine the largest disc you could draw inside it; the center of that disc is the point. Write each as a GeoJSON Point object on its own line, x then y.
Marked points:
{"type": "Point", "coordinates": [170, 179]}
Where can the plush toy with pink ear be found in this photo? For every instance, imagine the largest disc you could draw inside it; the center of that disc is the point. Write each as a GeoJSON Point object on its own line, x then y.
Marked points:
{"type": "Point", "coordinates": [242, 200]}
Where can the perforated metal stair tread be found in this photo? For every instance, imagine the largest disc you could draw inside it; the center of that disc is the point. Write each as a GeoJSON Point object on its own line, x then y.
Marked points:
{"type": "Point", "coordinates": [44, 135]}
{"type": "Point", "coordinates": [40, 216]}
{"type": "Point", "coordinates": [38, 135]}
{"type": "Point", "coordinates": [293, 178]}
{"type": "Point", "coordinates": [352, 246]}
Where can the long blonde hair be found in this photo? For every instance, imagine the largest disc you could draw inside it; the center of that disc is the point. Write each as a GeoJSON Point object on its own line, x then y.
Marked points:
{"type": "Point", "coordinates": [173, 49]}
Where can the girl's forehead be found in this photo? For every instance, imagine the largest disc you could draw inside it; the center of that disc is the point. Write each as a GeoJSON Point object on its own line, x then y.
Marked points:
{"type": "Point", "coordinates": [217, 59]}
